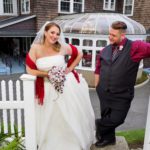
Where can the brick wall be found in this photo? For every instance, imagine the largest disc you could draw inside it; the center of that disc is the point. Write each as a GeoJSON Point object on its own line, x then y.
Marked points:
{"type": "Point", "coordinates": [119, 6]}
{"type": "Point", "coordinates": [142, 15]}
{"type": "Point", "coordinates": [93, 6]}
{"type": "Point", "coordinates": [45, 10]}
{"type": "Point", "coordinates": [97, 6]}
{"type": "Point", "coordinates": [142, 12]}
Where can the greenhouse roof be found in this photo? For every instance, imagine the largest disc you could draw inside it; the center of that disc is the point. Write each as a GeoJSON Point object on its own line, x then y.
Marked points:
{"type": "Point", "coordinates": [97, 23]}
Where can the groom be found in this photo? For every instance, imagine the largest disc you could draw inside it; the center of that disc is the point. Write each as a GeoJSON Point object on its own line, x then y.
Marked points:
{"type": "Point", "coordinates": [115, 77]}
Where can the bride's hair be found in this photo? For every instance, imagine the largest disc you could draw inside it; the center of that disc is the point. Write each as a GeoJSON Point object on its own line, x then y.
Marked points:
{"type": "Point", "coordinates": [57, 45]}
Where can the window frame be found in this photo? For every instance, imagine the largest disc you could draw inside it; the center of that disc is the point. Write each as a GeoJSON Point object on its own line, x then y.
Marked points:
{"type": "Point", "coordinates": [14, 8]}
{"type": "Point", "coordinates": [109, 5]}
{"type": "Point", "coordinates": [124, 5]}
{"type": "Point", "coordinates": [71, 5]}
{"type": "Point", "coordinates": [24, 3]}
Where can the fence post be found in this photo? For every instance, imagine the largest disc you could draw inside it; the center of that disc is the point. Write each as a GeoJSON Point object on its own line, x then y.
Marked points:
{"type": "Point", "coordinates": [147, 130]}
{"type": "Point", "coordinates": [29, 112]}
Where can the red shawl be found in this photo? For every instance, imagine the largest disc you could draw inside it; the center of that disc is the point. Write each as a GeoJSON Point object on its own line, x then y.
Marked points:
{"type": "Point", "coordinates": [39, 84]}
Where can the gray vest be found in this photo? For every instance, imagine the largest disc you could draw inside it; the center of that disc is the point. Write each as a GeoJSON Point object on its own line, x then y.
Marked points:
{"type": "Point", "coordinates": [119, 75]}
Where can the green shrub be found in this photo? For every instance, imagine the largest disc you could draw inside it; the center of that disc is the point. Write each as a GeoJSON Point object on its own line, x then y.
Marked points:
{"type": "Point", "coordinates": [16, 141]}
{"type": "Point", "coordinates": [143, 78]}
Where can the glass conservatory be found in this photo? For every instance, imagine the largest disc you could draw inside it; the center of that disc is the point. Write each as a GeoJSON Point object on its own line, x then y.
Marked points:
{"type": "Point", "coordinates": [89, 32]}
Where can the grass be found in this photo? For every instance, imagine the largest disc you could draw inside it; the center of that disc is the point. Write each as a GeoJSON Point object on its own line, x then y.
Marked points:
{"type": "Point", "coordinates": [134, 138]}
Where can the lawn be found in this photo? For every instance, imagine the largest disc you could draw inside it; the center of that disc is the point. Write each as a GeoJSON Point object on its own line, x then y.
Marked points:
{"type": "Point", "coordinates": [134, 138]}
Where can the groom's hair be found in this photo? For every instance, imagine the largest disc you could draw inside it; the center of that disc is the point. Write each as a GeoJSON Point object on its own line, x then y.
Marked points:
{"type": "Point", "coordinates": [119, 25]}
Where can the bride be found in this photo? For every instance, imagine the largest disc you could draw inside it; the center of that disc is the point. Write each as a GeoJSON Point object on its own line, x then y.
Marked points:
{"type": "Point", "coordinates": [64, 114]}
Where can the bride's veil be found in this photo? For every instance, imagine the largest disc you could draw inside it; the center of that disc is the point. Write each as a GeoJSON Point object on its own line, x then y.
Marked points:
{"type": "Point", "coordinates": [39, 39]}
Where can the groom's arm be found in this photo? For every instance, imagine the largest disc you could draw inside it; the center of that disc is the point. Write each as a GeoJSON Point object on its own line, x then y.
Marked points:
{"type": "Point", "coordinates": [96, 79]}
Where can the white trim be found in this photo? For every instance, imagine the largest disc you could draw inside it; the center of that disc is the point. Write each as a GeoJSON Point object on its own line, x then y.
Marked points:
{"type": "Point", "coordinates": [131, 10]}
{"type": "Point", "coordinates": [14, 22]}
{"type": "Point", "coordinates": [25, 12]}
{"type": "Point", "coordinates": [83, 5]}
{"type": "Point", "coordinates": [1, 7]}
{"type": "Point", "coordinates": [109, 5]}
{"type": "Point", "coordinates": [15, 7]}
{"type": "Point", "coordinates": [14, 3]}
{"type": "Point", "coordinates": [71, 7]}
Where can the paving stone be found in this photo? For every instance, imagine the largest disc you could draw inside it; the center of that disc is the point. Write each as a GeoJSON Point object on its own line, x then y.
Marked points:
{"type": "Point", "coordinates": [121, 144]}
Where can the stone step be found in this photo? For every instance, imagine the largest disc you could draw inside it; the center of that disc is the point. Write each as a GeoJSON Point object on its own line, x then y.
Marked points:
{"type": "Point", "coordinates": [121, 144]}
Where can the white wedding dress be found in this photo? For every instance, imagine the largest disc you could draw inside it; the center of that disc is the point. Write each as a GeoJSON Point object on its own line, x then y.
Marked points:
{"type": "Point", "coordinates": [65, 121]}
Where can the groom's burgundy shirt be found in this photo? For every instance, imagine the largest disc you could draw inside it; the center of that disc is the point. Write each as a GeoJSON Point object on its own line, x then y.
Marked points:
{"type": "Point", "coordinates": [139, 50]}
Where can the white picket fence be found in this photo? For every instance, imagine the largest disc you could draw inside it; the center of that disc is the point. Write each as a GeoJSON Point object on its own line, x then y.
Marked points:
{"type": "Point", "coordinates": [27, 104]}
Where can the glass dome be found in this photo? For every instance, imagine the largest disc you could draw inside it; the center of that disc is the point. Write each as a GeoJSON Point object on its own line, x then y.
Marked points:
{"type": "Point", "coordinates": [97, 23]}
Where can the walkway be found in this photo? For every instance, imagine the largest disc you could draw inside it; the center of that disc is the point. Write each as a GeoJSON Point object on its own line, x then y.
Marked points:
{"type": "Point", "coordinates": [138, 112]}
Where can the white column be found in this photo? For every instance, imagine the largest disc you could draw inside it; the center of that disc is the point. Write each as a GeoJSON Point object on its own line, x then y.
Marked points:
{"type": "Point", "coordinates": [29, 112]}
{"type": "Point", "coordinates": [1, 7]}
{"type": "Point", "coordinates": [147, 131]}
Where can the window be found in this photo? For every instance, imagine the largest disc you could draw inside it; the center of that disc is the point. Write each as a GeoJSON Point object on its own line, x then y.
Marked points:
{"type": "Point", "coordinates": [26, 43]}
{"type": "Point", "coordinates": [71, 6]}
{"type": "Point", "coordinates": [101, 43]}
{"type": "Point", "coordinates": [77, 6]}
{"type": "Point", "coordinates": [87, 58]}
{"type": "Point", "coordinates": [87, 43]}
{"type": "Point", "coordinates": [67, 40]}
{"type": "Point", "coordinates": [25, 6]}
{"type": "Point", "coordinates": [128, 7]}
{"type": "Point", "coordinates": [65, 5]}
{"type": "Point", "coordinates": [9, 7]}
{"type": "Point", "coordinates": [75, 42]}
{"type": "Point", "coordinates": [109, 4]}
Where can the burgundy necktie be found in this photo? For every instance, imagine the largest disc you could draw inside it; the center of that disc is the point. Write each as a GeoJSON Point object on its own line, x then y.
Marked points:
{"type": "Point", "coordinates": [115, 52]}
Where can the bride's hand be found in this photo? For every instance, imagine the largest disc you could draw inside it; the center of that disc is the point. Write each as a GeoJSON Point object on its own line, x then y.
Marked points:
{"type": "Point", "coordinates": [67, 70]}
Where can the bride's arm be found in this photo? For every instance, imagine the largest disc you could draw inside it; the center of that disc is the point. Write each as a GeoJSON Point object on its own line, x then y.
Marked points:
{"type": "Point", "coordinates": [76, 61]}
{"type": "Point", "coordinates": [32, 54]}
{"type": "Point", "coordinates": [36, 72]}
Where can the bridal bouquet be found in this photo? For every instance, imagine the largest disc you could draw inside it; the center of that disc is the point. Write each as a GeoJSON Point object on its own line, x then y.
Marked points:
{"type": "Point", "coordinates": [57, 78]}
